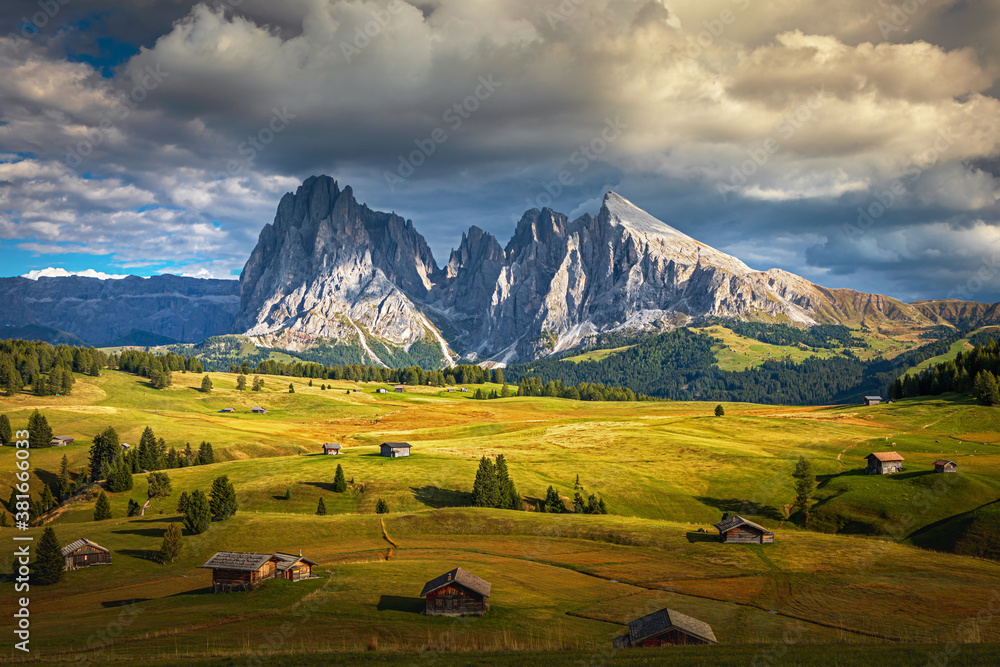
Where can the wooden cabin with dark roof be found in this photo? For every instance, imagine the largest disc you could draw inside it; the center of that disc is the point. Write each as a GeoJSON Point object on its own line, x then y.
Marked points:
{"type": "Point", "coordinates": [293, 568]}
{"type": "Point", "coordinates": [666, 627]}
{"type": "Point", "coordinates": [873, 400]}
{"type": "Point", "coordinates": [456, 593]}
{"type": "Point", "coordinates": [884, 463]}
{"type": "Point", "coordinates": [737, 530]}
{"type": "Point", "coordinates": [61, 441]}
{"type": "Point", "coordinates": [84, 553]}
{"type": "Point", "coordinates": [941, 465]}
{"type": "Point", "coordinates": [395, 450]}
{"type": "Point", "coordinates": [331, 448]}
{"type": "Point", "coordinates": [233, 571]}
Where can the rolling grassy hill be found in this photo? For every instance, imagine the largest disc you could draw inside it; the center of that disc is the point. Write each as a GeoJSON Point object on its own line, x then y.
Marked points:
{"type": "Point", "coordinates": [560, 582]}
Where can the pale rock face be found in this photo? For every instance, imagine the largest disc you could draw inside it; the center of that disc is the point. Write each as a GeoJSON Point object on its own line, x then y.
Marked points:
{"type": "Point", "coordinates": [331, 269]}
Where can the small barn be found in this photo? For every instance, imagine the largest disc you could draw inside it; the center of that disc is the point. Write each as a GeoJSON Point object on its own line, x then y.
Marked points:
{"type": "Point", "coordinates": [240, 571]}
{"type": "Point", "coordinates": [331, 448]}
{"type": "Point", "coordinates": [394, 450]}
{"type": "Point", "coordinates": [258, 411]}
{"type": "Point", "coordinates": [126, 446]}
{"type": "Point", "coordinates": [873, 400]}
{"type": "Point", "coordinates": [381, 390]}
{"type": "Point", "coordinates": [456, 593]}
{"type": "Point", "coordinates": [84, 553]}
{"type": "Point", "coordinates": [666, 627]}
{"type": "Point", "coordinates": [884, 463]}
{"type": "Point", "coordinates": [228, 410]}
{"type": "Point", "coordinates": [945, 466]}
{"type": "Point", "coordinates": [398, 389]}
{"type": "Point", "coordinates": [61, 441]}
{"type": "Point", "coordinates": [737, 530]}
{"type": "Point", "coordinates": [293, 568]}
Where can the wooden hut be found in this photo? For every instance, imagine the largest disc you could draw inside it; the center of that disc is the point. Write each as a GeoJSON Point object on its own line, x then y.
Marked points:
{"type": "Point", "coordinates": [738, 530]}
{"type": "Point", "coordinates": [84, 553]}
{"type": "Point", "coordinates": [456, 593]}
{"type": "Point", "coordinates": [331, 448]}
{"type": "Point", "coordinates": [228, 410]}
{"type": "Point", "coordinates": [293, 568]}
{"type": "Point", "coordinates": [240, 571]}
{"type": "Point", "coordinates": [258, 411]}
{"type": "Point", "coordinates": [395, 450]}
{"type": "Point", "coordinates": [61, 441]}
{"type": "Point", "coordinates": [398, 389]}
{"type": "Point", "coordinates": [666, 627]}
{"type": "Point", "coordinates": [873, 400]}
{"type": "Point", "coordinates": [884, 463]}
{"type": "Point", "coordinates": [945, 466]}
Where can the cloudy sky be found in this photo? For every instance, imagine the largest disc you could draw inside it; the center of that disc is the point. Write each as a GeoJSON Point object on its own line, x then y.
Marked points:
{"type": "Point", "coordinates": [855, 143]}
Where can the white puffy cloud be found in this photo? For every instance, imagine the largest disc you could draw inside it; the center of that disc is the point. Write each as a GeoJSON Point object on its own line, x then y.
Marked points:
{"type": "Point", "coordinates": [52, 272]}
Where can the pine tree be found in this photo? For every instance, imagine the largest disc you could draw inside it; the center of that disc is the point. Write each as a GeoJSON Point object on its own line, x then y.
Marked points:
{"type": "Point", "coordinates": [578, 504]}
{"type": "Point", "coordinates": [6, 434]}
{"type": "Point", "coordinates": [147, 449]}
{"type": "Point", "coordinates": [291, 388]}
{"type": "Point", "coordinates": [310, 383]}
{"type": "Point", "coordinates": [206, 384]}
{"type": "Point", "coordinates": [985, 389]}
{"type": "Point", "coordinates": [205, 454]}
{"type": "Point", "coordinates": [119, 477]}
{"type": "Point", "coordinates": [602, 507]}
{"type": "Point", "coordinates": [133, 508]}
{"type": "Point", "coordinates": [593, 507]}
{"type": "Point", "coordinates": [39, 431]}
{"type": "Point", "coordinates": [339, 482]}
{"type": "Point", "coordinates": [553, 503]}
{"type": "Point", "coordinates": [49, 561]}
{"type": "Point", "coordinates": [48, 501]}
{"type": "Point", "coordinates": [321, 507]}
{"type": "Point", "coordinates": [288, 494]}
{"type": "Point", "coordinates": [159, 485]}
{"type": "Point", "coordinates": [223, 499]}
{"type": "Point", "coordinates": [170, 549]}
{"type": "Point", "coordinates": [805, 481]}
{"type": "Point", "coordinates": [64, 481]}
{"type": "Point", "coordinates": [102, 510]}
{"type": "Point", "coordinates": [106, 446]}
{"type": "Point", "coordinates": [507, 495]}
{"type": "Point", "coordinates": [720, 411]}
{"type": "Point", "coordinates": [505, 391]}
{"type": "Point", "coordinates": [182, 503]}
{"type": "Point", "coordinates": [241, 382]}
{"type": "Point", "coordinates": [198, 516]}
{"type": "Point", "coordinates": [484, 489]}
{"type": "Point", "coordinates": [381, 507]}
{"type": "Point", "coordinates": [189, 457]}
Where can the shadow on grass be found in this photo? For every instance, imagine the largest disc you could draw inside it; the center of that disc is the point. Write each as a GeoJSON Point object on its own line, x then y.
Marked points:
{"type": "Point", "coordinates": [141, 554]}
{"type": "Point", "coordinates": [436, 497]}
{"type": "Point", "coordinates": [124, 603]}
{"type": "Point", "coordinates": [145, 532]}
{"type": "Point", "coordinates": [742, 507]}
{"type": "Point", "coordinates": [397, 603]}
{"type": "Point", "coordinates": [323, 486]}
{"type": "Point", "coordinates": [911, 475]}
{"type": "Point", "coordinates": [702, 537]}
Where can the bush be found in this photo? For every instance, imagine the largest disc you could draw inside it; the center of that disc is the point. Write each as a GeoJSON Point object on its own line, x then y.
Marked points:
{"type": "Point", "coordinates": [381, 507]}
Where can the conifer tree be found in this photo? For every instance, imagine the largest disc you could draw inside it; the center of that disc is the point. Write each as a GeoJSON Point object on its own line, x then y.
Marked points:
{"type": "Point", "coordinates": [507, 495]}
{"type": "Point", "coordinates": [133, 508]}
{"type": "Point", "coordinates": [805, 482]}
{"type": "Point", "coordinates": [49, 561]}
{"type": "Point", "coordinates": [553, 503]}
{"type": "Point", "coordinates": [602, 507]}
{"type": "Point", "coordinates": [720, 411]}
{"type": "Point", "coordinates": [105, 448]}
{"type": "Point", "coordinates": [484, 489]}
{"type": "Point", "coordinates": [223, 498]}
{"type": "Point", "coordinates": [6, 434]}
{"type": "Point", "coordinates": [241, 382]}
{"type": "Point", "coordinates": [48, 501]}
{"type": "Point", "coordinates": [291, 388]}
{"type": "Point", "coordinates": [339, 481]}
{"type": "Point", "coordinates": [985, 389]}
{"type": "Point", "coordinates": [198, 516]}
{"type": "Point", "coordinates": [381, 507]}
{"type": "Point", "coordinates": [578, 505]}
{"type": "Point", "coordinates": [206, 385]}
{"type": "Point", "coordinates": [321, 507]}
{"type": "Point", "coordinates": [147, 449]}
{"type": "Point", "coordinates": [39, 431]}
{"type": "Point", "coordinates": [170, 549]}
{"type": "Point", "coordinates": [102, 510]}
{"type": "Point", "coordinates": [182, 503]}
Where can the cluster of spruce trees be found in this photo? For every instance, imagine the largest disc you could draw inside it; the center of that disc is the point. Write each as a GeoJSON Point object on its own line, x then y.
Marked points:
{"type": "Point", "coordinates": [554, 503]}
{"type": "Point", "coordinates": [583, 391]}
{"type": "Point", "coordinates": [109, 462]}
{"type": "Point", "coordinates": [158, 367]}
{"type": "Point", "coordinates": [411, 375]}
{"type": "Point", "coordinates": [972, 372]}
{"type": "Point", "coordinates": [47, 370]}
{"type": "Point", "coordinates": [494, 487]}
{"type": "Point", "coordinates": [200, 509]}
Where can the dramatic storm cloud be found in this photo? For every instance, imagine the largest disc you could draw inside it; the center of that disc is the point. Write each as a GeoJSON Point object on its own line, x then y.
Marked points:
{"type": "Point", "coordinates": [855, 143]}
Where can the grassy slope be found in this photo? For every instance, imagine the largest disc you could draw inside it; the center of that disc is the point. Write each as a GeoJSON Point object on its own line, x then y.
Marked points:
{"type": "Point", "coordinates": [666, 469]}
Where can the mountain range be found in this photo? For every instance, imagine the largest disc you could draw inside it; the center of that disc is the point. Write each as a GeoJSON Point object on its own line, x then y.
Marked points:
{"type": "Point", "coordinates": [330, 272]}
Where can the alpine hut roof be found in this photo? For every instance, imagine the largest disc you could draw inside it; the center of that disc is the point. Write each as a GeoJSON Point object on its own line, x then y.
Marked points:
{"type": "Point", "coordinates": [665, 619]}
{"type": "Point", "coordinates": [288, 561]}
{"type": "Point", "coordinates": [461, 577]}
{"type": "Point", "coordinates": [886, 456]}
{"type": "Point", "coordinates": [397, 445]}
{"type": "Point", "coordinates": [736, 521]}
{"type": "Point", "coordinates": [331, 445]}
{"type": "Point", "coordinates": [943, 462]}
{"type": "Point", "coordinates": [874, 398]}
{"type": "Point", "coordinates": [229, 560]}
{"type": "Point", "coordinates": [82, 542]}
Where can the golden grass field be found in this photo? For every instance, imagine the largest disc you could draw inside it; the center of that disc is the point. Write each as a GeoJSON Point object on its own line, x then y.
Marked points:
{"type": "Point", "coordinates": [560, 582]}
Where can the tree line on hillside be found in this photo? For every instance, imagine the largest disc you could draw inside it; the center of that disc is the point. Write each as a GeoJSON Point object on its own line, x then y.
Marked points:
{"type": "Point", "coordinates": [973, 372]}
{"type": "Point", "coordinates": [158, 367]}
{"type": "Point", "coordinates": [821, 336]}
{"type": "Point", "coordinates": [46, 369]}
